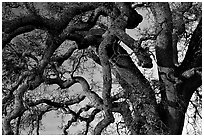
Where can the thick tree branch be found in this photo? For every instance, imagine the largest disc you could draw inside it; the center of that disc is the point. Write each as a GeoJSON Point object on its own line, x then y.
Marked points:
{"type": "Point", "coordinates": [14, 87]}
{"type": "Point", "coordinates": [7, 37]}
{"type": "Point", "coordinates": [27, 23]}
{"type": "Point", "coordinates": [107, 83]}
{"type": "Point", "coordinates": [190, 69]}
{"type": "Point", "coordinates": [60, 59]}
{"type": "Point", "coordinates": [164, 49]}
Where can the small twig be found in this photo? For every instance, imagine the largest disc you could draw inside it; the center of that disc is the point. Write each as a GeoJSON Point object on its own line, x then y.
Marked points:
{"type": "Point", "coordinates": [117, 125]}
{"type": "Point", "coordinates": [151, 53]}
{"type": "Point", "coordinates": [79, 60]}
{"type": "Point", "coordinates": [196, 109]}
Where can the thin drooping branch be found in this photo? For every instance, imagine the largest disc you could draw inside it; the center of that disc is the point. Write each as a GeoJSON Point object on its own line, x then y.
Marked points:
{"type": "Point", "coordinates": [67, 103]}
{"type": "Point", "coordinates": [76, 116]}
{"type": "Point", "coordinates": [94, 98]}
{"type": "Point", "coordinates": [18, 110]}
{"type": "Point", "coordinates": [76, 64]}
{"type": "Point", "coordinates": [65, 107]}
{"type": "Point", "coordinates": [73, 119]}
{"type": "Point", "coordinates": [124, 109]}
{"type": "Point", "coordinates": [91, 118]}
{"type": "Point", "coordinates": [40, 115]}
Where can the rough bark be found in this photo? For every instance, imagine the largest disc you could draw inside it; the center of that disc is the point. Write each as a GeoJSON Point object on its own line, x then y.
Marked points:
{"type": "Point", "coordinates": [19, 109]}
{"type": "Point", "coordinates": [163, 19]}
{"type": "Point", "coordinates": [146, 118]}
{"type": "Point", "coordinates": [141, 96]}
{"type": "Point", "coordinates": [173, 104]}
{"type": "Point", "coordinates": [193, 59]}
{"type": "Point", "coordinates": [164, 55]}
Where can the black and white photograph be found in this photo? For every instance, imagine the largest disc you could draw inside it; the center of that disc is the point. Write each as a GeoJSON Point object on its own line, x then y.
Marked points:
{"type": "Point", "coordinates": [101, 68]}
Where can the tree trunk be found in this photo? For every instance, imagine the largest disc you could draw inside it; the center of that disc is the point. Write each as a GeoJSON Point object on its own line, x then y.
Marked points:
{"type": "Point", "coordinates": [174, 99]}
{"type": "Point", "coordinates": [142, 114]}
{"type": "Point", "coordinates": [145, 117]}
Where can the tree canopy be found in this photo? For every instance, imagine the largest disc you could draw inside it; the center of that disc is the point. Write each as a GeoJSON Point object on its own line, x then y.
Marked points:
{"type": "Point", "coordinates": [51, 49]}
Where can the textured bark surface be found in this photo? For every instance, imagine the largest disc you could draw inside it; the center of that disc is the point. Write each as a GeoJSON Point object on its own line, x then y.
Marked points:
{"type": "Point", "coordinates": [173, 105]}
{"type": "Point", "coordinates": [77, 22]}
{"type": "Point", "coordinates": [163, 18]}
{"type": "Point", "coordinates": [142, 98]}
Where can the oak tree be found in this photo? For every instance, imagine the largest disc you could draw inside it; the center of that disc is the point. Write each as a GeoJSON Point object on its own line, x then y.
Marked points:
{"type": "Point", "coordinates": [38, 39]}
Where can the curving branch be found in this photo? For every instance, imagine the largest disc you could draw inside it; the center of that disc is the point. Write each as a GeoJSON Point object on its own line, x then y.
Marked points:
{"type": "Point", "coordinates": [75, 67]}
{"type": "Point", "coordinates": [39, 117]}
{"type": "Point", "coordinates": [120, 23]}
{"type": "Point", "coordinates": [14, 87]}
{"type": "Point", "coordinates": [76, 116]}
{"type": "Point", "coordinates": [29, 22]}
{"type": "Point", "coordinates": [69, 123]}
{"type": "Point", "coordinates": [90, 119]}
{"type": "Point", "coordinates": [94, 98]}
{"type": "Point", "coordinates": [79, 25]}
{"type": "Point", "coordinates": [7, 37]}
{"type": "Point", "coordinates": [62, 58]}
{"type": "Point", "coordinates": [107, 83]}
{"type": "Point", "coordinates": [57, 104]}
{"type": "Point", "coordinates": [9, 26]}
{"type": "Point", "coordinates": [18, 110]}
